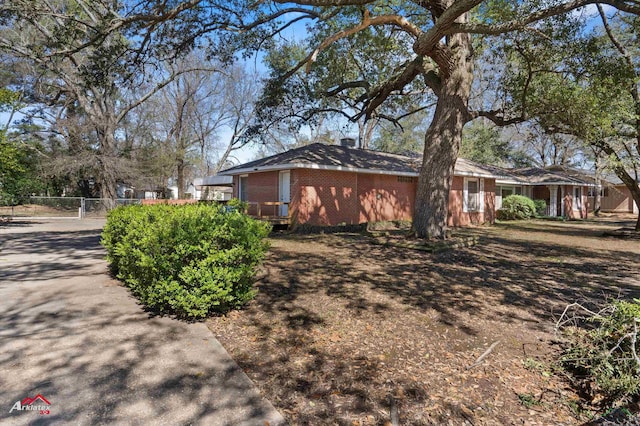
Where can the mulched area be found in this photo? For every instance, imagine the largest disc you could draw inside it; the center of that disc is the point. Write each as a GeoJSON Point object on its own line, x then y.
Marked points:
{"type": "Point", "coordinates": [347, 332]}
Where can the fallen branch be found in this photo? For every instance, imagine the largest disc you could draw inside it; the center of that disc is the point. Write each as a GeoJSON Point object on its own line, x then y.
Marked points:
{"type": "Point", "coordinates": [393, 412]}
{"type": "Point", "coordinates": [484, 355]}
{"type": "Point", "coordinates": [574, 318]}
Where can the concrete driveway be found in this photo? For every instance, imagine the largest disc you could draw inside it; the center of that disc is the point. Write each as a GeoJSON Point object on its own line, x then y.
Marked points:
{"type": "Point", "coordinates": [70, 333]}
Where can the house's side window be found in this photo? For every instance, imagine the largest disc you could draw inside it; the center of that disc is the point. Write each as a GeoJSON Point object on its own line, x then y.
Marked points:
{"type": "Point", "coordinates": [518, 190]}
{"type": "Point", "coordinates": [577, 198]}
{"type": "Point", "coordinates": [473, 195]}
{"type": "Point", "coordinates": [242, 190]}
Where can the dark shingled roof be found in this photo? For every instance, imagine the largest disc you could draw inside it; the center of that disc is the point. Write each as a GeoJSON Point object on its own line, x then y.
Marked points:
{"type": "Point", "coordinates": [339, 156]}
{"type": "Point", "coordinates": [553, 175]}
{"type": "Point", "coordinates": [336, 155]}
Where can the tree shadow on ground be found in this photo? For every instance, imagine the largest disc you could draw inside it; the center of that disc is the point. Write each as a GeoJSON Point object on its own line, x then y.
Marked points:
{"type": "Point", "coordinates": [347, 323]}
{"type": "Point", "coordinates": [535, 276]}
{"type": "Point", "coordinates": [71, 334]}
{"type": "Point", "coordinates": [126, 379]}
{"type": "Point", "coordinates": [51, 255]}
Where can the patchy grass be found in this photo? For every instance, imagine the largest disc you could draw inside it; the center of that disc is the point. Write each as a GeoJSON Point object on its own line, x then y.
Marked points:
{"type": "Point", "coordinates": [342, 330]}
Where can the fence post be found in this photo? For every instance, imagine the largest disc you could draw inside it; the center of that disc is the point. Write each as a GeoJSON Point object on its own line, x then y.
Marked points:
{"type": "Point", "coordinates": [82, 208]}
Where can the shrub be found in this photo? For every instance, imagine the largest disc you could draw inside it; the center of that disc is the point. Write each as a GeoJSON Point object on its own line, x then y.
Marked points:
{"type": "Point", "coordinates": [541, 207]}
{"type": "Point", "coordinates": [189, 260]}
{"type": "Point", "coordinates": [604, 357]}
{"type": "Point", "coordinates": [515, 207]}
{"type": "Point", "coordinates": [236, 204]}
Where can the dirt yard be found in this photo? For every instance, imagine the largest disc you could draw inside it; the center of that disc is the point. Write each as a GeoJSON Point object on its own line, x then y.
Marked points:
{"type": "Point", "coordinates": [350, 333]}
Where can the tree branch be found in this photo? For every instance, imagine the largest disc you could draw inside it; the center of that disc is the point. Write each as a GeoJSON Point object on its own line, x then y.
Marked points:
{"type": "Point", "coordinates": [156, 89]}
{"type": "Point", "coordinates": [397, 82]}
{"type": "Point", "coordinates": [348, 85]}
{"type": "Point", "coordinates": [520, 23]}
{"type": "Point", "coordinates": [367, 21]}
{"type": "Point", "coordinates": [327, 2]}
{"type": "Point", "coordinates": [429, 44]}
{"type": "Point", "coordinates": [497, 117]}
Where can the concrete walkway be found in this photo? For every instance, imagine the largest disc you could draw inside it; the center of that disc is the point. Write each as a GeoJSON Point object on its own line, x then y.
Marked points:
{"type": "Point", "coordinates": [72, 334]}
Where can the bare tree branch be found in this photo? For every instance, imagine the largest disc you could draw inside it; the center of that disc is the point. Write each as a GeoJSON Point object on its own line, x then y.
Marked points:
{"type": "Point", "coordinates": [367, 21]}
{"type": "Point", "coordinates": [328, 2]}
{"type": "Point", "coordinates": [520, 23]}
{"type": "Point", "coordinates": [159, 87]}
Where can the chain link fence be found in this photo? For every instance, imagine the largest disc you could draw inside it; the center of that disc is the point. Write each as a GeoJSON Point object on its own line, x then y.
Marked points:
{"type": "Point", "coordinates": [60, 207]}
{"type": "Point", "coordinates": [45, 207]}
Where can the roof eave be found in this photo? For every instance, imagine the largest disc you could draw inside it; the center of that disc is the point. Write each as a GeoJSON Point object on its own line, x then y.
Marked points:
{"type": "Point", "coordinates": [314, 166]}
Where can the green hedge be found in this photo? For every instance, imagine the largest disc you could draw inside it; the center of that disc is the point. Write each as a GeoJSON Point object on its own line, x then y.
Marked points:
{"type": "Point", "coordinates": [541, 207]}
{"type": "Point", "coordinates": [189, 260]}
{"type": "Point", "coordinates": [517, 207]}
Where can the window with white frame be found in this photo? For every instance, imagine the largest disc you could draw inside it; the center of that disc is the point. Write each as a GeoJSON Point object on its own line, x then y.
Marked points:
{"type": "Point", "coordinates": [473, 195]}
{"type": "Point", "coordinates": [242, 189]}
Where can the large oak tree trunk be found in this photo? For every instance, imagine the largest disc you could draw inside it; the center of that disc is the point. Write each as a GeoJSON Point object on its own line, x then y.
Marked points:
{"type": "Point", "coordinates": [442, 142]}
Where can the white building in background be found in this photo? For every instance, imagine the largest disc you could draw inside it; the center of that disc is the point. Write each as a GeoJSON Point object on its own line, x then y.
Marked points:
{"type": "Point", "coordinates": [219, 188]}
{"type": "Point", "coordinates": [173, 192]}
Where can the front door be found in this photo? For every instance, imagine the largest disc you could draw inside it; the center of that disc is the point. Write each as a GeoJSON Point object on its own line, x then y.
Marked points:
{"type": "Point", "coordinates": [284, 190]}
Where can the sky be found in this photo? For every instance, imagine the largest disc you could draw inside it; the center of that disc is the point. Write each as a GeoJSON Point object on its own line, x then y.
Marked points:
{"type": "Point", "coordinates": [298, 31]}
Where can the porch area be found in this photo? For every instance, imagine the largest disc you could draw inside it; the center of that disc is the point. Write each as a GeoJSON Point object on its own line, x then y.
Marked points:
{"type": "Point", "coordinates": [274, 212]}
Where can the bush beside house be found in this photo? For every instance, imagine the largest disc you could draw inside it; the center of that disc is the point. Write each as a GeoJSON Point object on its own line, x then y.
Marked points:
{"type": "Point", "coordinates": [517, 207]}
{"type": "Point", "coordinates": [541, 207]}
{"type": "Point", "coordinates": [189, 260]}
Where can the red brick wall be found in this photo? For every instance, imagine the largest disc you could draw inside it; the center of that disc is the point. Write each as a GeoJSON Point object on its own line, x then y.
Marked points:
{"type": "Point", "coordinates": [386, 197]}
{"type": "Point", "coordinates": [457, 217]}
{"type": "Point", "coordinates": [163, 201]}
{"type": "Point", "coordinates": [618, 199]}
{"type": "Point", "coordinates": [489, 200]}
{"type": "Point", "coordinates": [297, 176]}
{"type": "Point", "coordinates": [324, 197]}
{"type": "Point", "coordinates": [263, 186]}
{"type": "Point", "coordinates": [327, 197]}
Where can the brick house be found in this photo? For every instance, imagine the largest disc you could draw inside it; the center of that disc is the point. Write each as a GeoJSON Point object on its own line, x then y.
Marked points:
{"type": "Point", "coordinates": [566, 191]}
{"type": "Point", "coordinates": [616, 197]}
{"type": "Point", "coordinates": [336, 184]}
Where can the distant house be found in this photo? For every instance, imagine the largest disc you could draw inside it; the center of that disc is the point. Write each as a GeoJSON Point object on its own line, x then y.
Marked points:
{"type": "Point", "coordinates": [216, 188]}
{"type": "Point", "coordinates": [333, 184]}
